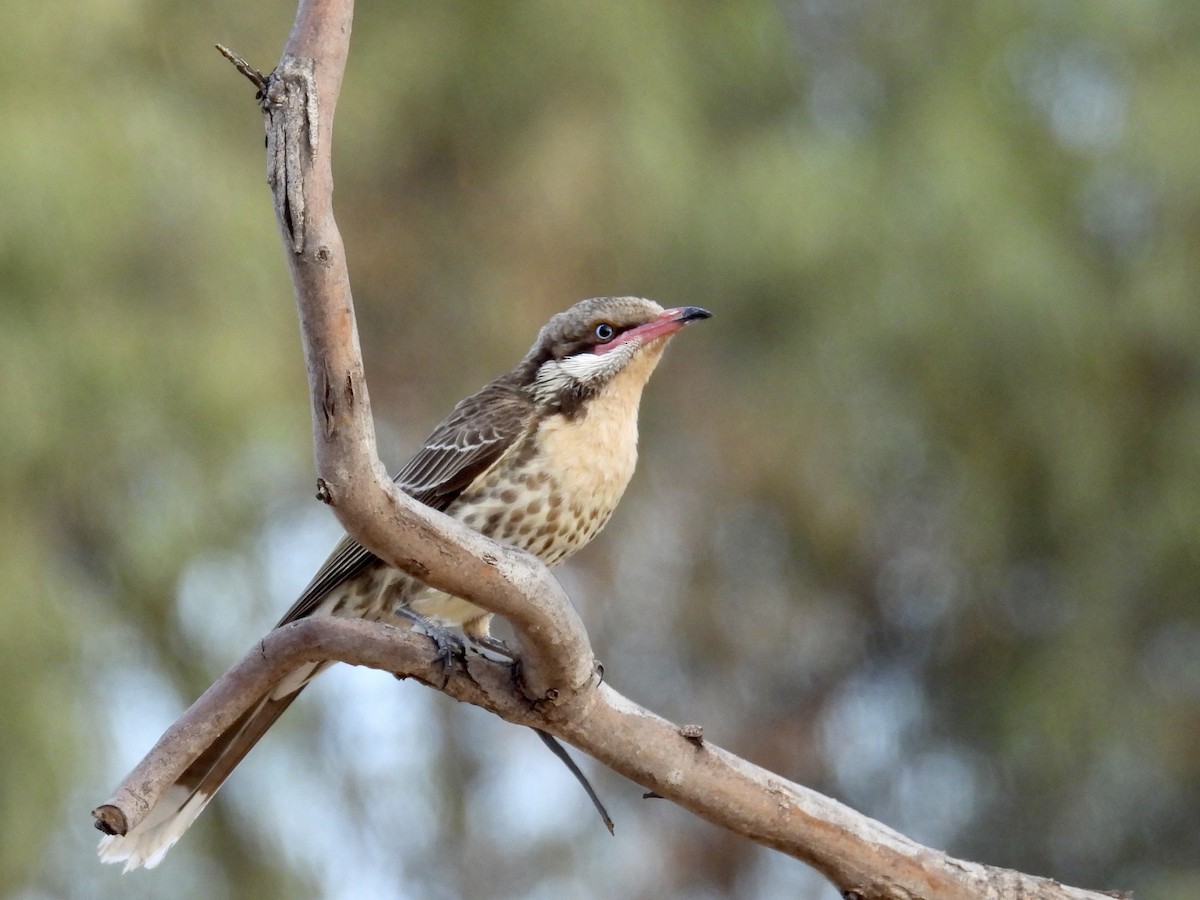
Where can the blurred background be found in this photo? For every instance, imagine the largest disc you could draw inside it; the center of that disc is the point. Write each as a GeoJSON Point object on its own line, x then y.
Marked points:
{"type": "Point", "coordinates": [917, 521]}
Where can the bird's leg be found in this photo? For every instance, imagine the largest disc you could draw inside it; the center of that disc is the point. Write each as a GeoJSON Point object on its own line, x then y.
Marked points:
{"type": "Point", "coordinates": [478, 633]}
{"type": "Point", "coordinates": [449, 645]}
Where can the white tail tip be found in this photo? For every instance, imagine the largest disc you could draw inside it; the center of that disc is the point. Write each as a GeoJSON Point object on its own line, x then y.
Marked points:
{"type": "Point", "coordinates": [147, 844]}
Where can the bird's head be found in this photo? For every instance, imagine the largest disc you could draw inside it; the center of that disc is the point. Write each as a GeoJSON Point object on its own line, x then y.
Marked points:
{"type": "Point", "coordinates": [581, 351]}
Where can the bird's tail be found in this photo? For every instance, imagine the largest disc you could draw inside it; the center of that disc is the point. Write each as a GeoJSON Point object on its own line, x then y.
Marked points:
{"type": "Point", "coordinates": [148, 842]}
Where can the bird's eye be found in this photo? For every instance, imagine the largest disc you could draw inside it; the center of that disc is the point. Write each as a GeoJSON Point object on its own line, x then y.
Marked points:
{"type": "Point", "coordinates": [605, 332]}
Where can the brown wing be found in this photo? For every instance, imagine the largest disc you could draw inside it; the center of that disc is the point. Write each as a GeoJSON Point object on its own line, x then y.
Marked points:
{"type": "Point", "coordinates": [468, 443]}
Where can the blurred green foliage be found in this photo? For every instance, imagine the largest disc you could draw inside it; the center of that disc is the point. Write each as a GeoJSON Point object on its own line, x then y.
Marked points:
{"type": "Point", "coordinates": [918, 518]}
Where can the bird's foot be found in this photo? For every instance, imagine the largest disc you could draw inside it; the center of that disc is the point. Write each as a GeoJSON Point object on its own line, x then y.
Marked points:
{"type": "Point", "coordinates": [450, 646]}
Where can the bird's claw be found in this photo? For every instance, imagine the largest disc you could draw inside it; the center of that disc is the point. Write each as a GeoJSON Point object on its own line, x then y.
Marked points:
{"type": "Point", "coordinates": [450, 646]}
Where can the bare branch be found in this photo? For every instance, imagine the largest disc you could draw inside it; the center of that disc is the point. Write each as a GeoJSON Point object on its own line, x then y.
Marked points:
{"type": "Point", "coordinates": [256, 78]}
{"type": "Point", "coordinates": [862, 857]}
{"type": "Point", "coordinates": [299, 105]}
{"type": "Point", "coordinates": [230, 696]}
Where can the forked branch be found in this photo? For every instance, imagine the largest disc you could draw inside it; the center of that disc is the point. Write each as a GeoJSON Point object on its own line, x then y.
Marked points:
{"type": "Point", "coordinates": [864, 858]}
{"type": "Point", "coordinates": [558, 693]}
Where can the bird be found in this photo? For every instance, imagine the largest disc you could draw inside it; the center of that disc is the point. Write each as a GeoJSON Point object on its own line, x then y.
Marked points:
{"type": "Point", "coordinates": [537, 459]}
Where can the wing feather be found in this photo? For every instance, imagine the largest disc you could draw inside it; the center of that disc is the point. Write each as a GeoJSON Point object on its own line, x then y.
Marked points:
{"type": "Point", "coordinates": [465, 445]}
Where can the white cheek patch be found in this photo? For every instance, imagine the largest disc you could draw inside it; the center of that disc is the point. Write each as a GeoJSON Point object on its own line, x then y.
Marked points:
{"type": "Point", "coordinates": [580, 369]}
{"type": "Point", "coordinates": [587, 367]}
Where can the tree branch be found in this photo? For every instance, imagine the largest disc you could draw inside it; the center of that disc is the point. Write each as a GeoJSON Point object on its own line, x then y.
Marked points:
{"type": "Point", "coordinates": [864, 858]}
{"type": "Point", "coordinates": [298, 104]}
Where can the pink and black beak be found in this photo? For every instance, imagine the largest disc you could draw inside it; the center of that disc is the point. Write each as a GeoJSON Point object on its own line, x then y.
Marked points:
{"type": "Point", "coordinates": [664, 325]}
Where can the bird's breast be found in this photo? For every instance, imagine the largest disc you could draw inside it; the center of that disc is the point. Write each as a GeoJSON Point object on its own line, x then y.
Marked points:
{"type": "Point", "coordinates": [555, 490]}
{"type": "Point", "coordinates": [592, 457]}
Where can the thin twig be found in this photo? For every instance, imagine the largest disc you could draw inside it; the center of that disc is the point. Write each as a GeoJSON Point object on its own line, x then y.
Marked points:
{"type": "Point", "coordinates": [256, 77]}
